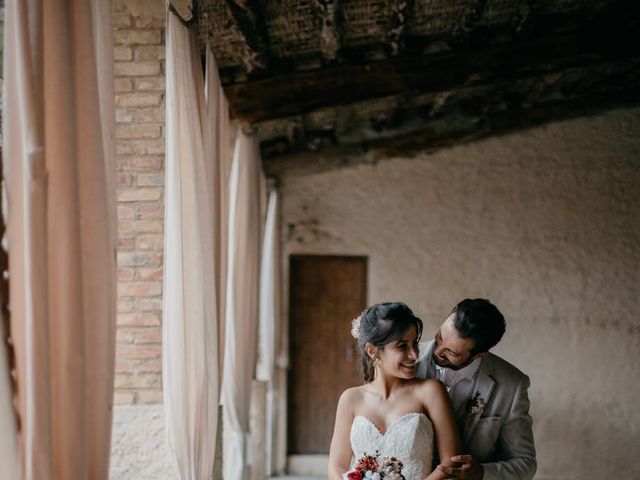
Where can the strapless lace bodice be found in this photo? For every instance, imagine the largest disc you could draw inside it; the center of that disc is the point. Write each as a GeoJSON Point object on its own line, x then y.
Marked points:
{"type": "Point", "coordinates": [409, 438]}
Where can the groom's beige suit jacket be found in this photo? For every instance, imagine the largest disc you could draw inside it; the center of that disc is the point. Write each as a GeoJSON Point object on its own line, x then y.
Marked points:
{"type": "Point", "coordinates": [496, 425]}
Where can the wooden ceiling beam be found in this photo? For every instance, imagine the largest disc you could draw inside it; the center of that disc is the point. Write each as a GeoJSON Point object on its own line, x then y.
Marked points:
{"type": "Point", "coordinates": [298, 93]}
{"type": "Point", "coordinates": [255, 49]}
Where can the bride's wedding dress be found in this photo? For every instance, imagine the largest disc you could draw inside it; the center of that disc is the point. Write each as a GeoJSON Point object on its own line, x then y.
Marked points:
{"type": "Point", "coordinates": [409, 438]}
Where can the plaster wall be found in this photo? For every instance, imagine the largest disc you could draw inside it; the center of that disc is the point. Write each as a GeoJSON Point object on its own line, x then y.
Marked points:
{"type": "Point", "coordinates": [545, 223]}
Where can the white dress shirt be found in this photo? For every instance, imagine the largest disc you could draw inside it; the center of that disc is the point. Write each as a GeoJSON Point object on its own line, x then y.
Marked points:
{"type": "Point", "coordinates": [459, 384]}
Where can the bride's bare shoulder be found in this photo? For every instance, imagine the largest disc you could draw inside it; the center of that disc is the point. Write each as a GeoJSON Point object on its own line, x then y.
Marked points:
{"type": "Point", "coordinates": [427, 385]}
{"type": "Point", "coordinates": [352, 396]}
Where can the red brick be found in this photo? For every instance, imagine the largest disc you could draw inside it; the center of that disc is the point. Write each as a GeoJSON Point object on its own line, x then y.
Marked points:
{"type": "Point", "coordinates": [125, 306]}
{"type": "Point", "coordinates": [147, 226]}
{"type": "Point", "coordinates": [126, 243]}
{"type": "Point", "coordinates": [153, 335]}
{"type": "Point", "coordinates": [149, 305]}
{"type": "Point", "coordinates": [139, 351]}
{"type": "Point", "coordinates": [140, 289]}
{"type": "Point", "coordinates": [137, 259]}
{"type": "Point", "coordinates": [123, 85]}
{"type": "Point", "coordinates": [145, 194]}
{"type": "Point", "coordinates": [137, 320]}
{"type": "Point", "coordinates": [136, 69]}
{"type": "Point", "coordinates": [149, 212]}
{"type": "Point", "coordinates": [152, 365]}
{"type": "Point", "coordinates": [137, 37]}
{"type": "Point", "coordinates": [124, 398]}
{"type": "Point", "coordinates": [150, 243]}
{"type": "Point", "coordinates": [150, 274]}
{"type": "Point", "coordinates": [149, 396]}
{"type": "Point", "coordinates": [125, 211]}
{"type": "Point", "coordinates": [125, 336]}
{"type": "Point", "coordinates": [126, 274]}
{"type": "Point", "coordinates": [141, 163]}
{"type": "Point", "coordinates": [121, 21]}
{"type": "Point", "coordinates": [123, 115]}
{"type": "Point", "coordinates": [149, 380]}
{"type": "Point", "coordinates": [149, 115]}
{"type": "Point", "coordinates": [148, 21]}
{"type": "Point", "coordinates": [149, 84]}
{"type": "Point", "coordinates": [150, 180]}
{"type": "Point", "coordinates": [149, 52]}
{"type": "Point", "coordinates": [126, 179]}
{"type": "Point", "coordinates": [122, 53]}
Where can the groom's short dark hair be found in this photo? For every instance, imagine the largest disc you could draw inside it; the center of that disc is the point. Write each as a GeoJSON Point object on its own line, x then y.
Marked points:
{"type": "Point", "coordinates": [479, 320]}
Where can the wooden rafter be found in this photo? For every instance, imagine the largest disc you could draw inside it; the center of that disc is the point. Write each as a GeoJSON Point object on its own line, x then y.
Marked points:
{"type": "Point", "coordinates": [298, 93]}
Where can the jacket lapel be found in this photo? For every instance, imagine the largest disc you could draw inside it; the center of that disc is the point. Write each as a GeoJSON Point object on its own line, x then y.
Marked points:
{"type": "Point", "coordinates": [479, 399]}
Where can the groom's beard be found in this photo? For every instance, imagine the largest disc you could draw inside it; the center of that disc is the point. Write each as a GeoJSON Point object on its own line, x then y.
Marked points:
{"type": "Point", "coordinates": [446, 364]}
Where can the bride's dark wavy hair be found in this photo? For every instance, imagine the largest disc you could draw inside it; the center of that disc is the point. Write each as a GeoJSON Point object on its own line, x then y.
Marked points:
{"type": "Point", "coordinates": [381, 324]}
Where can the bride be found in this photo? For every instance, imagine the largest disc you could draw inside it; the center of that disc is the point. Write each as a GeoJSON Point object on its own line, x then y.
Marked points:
{"type": "Point", "coordinates": [393, 414]}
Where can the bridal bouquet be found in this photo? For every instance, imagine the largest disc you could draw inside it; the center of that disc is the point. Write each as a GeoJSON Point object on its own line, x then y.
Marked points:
{"type": "Point", "coordinates": [368, 468]}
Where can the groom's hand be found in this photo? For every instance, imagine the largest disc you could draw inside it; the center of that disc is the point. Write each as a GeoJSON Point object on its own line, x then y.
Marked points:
{"type": "Point", "coordinates": [467, 468]}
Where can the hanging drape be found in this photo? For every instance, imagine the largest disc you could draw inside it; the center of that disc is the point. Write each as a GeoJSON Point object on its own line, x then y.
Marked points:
{"type": "Point", "coordinates": [269, 324]}
{"type": "Point", "coordinates": [218, 154]}
{"type": "Point", "coordinates": [196, 165]}
{"type": "Point", "coordinates": [242, 304]}
{"type": "Point", "coordinates": [60, 173]}
{"type": "Point", "coordinates": [9, 456]}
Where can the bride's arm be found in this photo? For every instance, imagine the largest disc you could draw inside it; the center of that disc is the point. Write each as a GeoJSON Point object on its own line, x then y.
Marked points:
{"type": "Point", "coordinates": [340, 452]}
{"type": "Point", "coordinates": [440, 411]}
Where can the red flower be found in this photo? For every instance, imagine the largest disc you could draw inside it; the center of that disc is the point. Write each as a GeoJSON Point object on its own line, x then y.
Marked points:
{"type": "Point", "coordinates": [354, 475]}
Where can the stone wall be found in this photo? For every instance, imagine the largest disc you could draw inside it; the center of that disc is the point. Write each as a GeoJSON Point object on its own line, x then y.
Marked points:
{"type": "Point", "coordinates": [543, 222]}
{"type": "Point", "coordinates": [140, 119]}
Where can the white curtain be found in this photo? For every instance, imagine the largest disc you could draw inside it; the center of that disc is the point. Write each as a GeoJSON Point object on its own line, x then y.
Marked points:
{"type": "Point", "coordinates": [218, 153]}
{"type": "Point", "coordinates": [196, 162]}
{"type": "Point", "coordinates": [9, 456]}
{"type": "Point", "coordinates": [60, 172]}
{"type": "Point", "coordinates": [242, 305]}
{"type": "Point", "coordinates": [269, 323]}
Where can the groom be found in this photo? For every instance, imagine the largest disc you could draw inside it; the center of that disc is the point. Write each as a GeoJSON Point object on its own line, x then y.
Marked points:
{"type": "Point", "coordinates": [489, 395]}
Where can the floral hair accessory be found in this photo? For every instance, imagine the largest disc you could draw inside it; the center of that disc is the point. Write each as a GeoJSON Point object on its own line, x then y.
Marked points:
{"type": "Point", "coordinates": [355, 327]}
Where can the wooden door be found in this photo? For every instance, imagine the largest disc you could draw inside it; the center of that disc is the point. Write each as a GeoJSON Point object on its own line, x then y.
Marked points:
{"type": "Point", "coordinates": [326, 293]}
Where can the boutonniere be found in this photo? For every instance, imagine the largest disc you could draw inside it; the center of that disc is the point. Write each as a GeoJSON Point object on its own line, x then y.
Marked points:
{"type": "Point", "coordinates": [476, 405]}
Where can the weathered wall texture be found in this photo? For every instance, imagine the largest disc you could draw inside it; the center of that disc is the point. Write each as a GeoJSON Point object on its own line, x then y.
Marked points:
{"type": "Point", "coordinates": [140, 118]}
{"type": "Point", "coordinates": [545, 224]}
{"type": "Point", "coordinates": [138, 446]}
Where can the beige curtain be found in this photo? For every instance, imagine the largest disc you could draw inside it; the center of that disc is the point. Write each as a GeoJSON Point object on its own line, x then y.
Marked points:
{"type": "Point", "coordinates": [269, 324]}
{"type": "Point", "coordinates": [9, 456]}
{"type": "Point", "coordinates": [196, 176]}
{"type": "Point", "coordinates": [242, 305]}
{"type": "Point", "coordinates": [218, 152]}
{"type": "Point", "coordinates": [61, 230]}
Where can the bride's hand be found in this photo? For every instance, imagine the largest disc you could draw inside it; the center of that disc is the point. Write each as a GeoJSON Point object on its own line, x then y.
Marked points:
{"type": "Point", "coordinates": [467, 468]}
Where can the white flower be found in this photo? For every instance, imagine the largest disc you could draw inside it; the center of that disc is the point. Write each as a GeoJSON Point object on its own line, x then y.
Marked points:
{"type": "Point", "coordinates": [355, 327]}
{"type": "Point", "coordinates": [372, 475]}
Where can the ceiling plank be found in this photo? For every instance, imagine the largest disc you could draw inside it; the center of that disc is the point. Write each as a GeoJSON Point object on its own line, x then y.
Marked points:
{"type": "Point", "coordinates": [247, 17]}
{"type": "Point", "coordinates": [297, 93]}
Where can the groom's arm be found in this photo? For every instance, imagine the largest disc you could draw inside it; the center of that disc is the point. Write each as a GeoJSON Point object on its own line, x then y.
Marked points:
{"type": "Point", "coordinates": [515, 444]}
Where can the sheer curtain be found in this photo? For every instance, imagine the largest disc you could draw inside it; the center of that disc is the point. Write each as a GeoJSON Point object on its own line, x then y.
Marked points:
{"type": "Point", "coordinates": [61, 228]}
{"type": "Point", "coordinates": [196, 165]}
{"type": "Point", "coordinates": [242, 304]}
{"type": "Point", "coordinates": [269, 324]}
{"type": "Point", "coordinates": [9, 456]}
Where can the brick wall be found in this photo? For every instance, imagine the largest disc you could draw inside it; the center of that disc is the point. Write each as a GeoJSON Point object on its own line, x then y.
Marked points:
{"type": "Point", "coordinates": [140, 118]}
